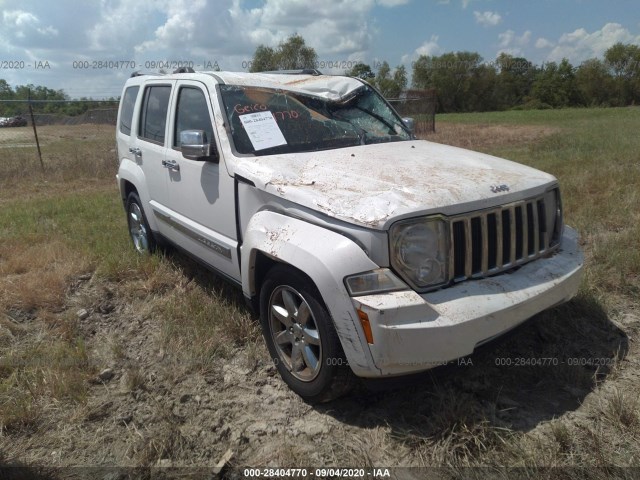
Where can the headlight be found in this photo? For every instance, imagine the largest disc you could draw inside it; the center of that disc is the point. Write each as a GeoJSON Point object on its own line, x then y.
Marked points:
{"type": "Point", "coordinates": [419, 250]}
{"type": "Point", "coordinates": [376, 281]}
{"type": "Point", "coordinates": [553, 217]}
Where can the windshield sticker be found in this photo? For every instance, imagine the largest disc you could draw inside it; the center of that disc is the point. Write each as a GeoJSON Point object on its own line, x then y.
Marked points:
{"type": "Point", "coordinates": [259, 107]}
{"type": "Point", "coordinates": [263, 130]}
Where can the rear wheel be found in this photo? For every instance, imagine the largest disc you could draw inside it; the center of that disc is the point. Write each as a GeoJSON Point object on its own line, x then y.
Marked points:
{"type": "Point", "coordinates": [301, 337]}
{"type": "Point", "coordinates": [139, 230]}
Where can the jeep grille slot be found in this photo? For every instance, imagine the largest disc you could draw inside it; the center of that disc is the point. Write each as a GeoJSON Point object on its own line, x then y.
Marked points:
{"type": "Point", "coordinates": [490, 241]}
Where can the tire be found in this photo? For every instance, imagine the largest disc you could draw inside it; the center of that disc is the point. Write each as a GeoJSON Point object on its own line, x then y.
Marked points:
{"type": "Point", "coordinates": [139, 230]}
{"type": "Point", "coordinates": [301, 337]}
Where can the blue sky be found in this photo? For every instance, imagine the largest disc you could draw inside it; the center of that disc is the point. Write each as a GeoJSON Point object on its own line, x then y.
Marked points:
{"type": "Point", "coordinates": [62, 37]}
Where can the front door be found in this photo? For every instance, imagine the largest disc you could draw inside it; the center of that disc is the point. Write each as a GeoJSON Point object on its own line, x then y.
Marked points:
{"type": "Point", "coordinates": [201, 192]}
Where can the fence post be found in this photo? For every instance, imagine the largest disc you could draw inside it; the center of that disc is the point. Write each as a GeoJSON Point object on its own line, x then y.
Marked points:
{"type": "Point", "coordinates": [35, 131]}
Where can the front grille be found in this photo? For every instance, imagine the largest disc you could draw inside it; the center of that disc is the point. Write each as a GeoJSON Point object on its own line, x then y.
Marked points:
{"type": "Point", "coordinates": [490, 241]}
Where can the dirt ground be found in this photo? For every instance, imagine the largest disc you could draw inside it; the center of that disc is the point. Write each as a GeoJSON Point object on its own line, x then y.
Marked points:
{"type": "Point", "coordinates": [144, 410]}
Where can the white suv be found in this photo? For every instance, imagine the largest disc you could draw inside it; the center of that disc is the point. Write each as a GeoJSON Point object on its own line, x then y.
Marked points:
{"type": "Point", "coordinates": [365, 250]}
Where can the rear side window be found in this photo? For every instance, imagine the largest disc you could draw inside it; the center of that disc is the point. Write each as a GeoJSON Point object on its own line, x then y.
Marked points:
{"type": "Point", "coordinates": [126, 109]}
{"type": "Point", "coordinates": [192, 114]}
{"type": "Point", "coordinates": [153, 118]}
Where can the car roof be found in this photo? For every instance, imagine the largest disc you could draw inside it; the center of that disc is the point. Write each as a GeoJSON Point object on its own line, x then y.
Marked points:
{"type": "Point", "coordinates": [331, 87]}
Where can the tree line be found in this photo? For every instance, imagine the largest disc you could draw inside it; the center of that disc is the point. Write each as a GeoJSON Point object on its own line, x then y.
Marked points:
{"type": "Point", "coordinates": [464, 82]}
{"type": "Point", "coordinates": [46, 100]}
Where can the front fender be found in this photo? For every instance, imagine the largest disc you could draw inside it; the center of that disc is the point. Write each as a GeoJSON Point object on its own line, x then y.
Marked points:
{"type": "Point", "coordinates": [132, 173]}
{"type": "Point", "coordinates": [327, 258]}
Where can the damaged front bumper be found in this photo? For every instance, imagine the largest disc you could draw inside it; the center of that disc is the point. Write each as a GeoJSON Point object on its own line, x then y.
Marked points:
{"type": "Point", "coordinates": [414, 332]}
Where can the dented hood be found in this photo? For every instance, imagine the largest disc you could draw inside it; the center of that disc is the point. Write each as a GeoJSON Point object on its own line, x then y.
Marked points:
{"type": "Point", "coordinates": [374, 185]}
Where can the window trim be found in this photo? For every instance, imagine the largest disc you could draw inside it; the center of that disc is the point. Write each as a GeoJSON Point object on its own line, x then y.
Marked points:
{"type": "Point", "coordinates": [212, 141]}
{"type": "Point", "coordinates": [143, 113]}
{"type": "Point", "coordinates": [133, 109]}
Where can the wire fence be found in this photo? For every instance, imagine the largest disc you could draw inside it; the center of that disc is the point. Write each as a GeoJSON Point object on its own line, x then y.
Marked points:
{"type": "Point", "coordinates": [60, 137]}
{"type": "Point", "coordinates": [419, 105]}
{"type": "Point", "coordinates": [57, 138]}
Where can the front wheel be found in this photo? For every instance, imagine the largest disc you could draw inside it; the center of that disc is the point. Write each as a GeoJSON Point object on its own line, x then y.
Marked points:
{"type": "Point", "coordinates": [301, 337]}
{"type": "Point", "coordinates": [139, 230]}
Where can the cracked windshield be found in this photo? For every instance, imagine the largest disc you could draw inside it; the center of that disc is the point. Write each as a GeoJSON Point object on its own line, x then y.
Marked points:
{"type": "Point", "coordinates": [264, 121]}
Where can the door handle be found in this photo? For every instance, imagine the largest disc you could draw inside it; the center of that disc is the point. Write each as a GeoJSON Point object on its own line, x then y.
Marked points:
{"type": "Point", "coordinates": [136, 151]}
{"type": "Point", "coordinates": [171, 165]}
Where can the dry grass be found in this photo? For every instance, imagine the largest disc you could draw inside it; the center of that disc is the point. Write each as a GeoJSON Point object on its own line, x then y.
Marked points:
{"type": "Point", "coordinates": [483, 137]}
{"type": "Point", "coordinates": [622, 408]}
{"type": "Point", "coordinates": [37, 276]}
{"type": "Point", "coordinates": [71, 154]}
{"type": "Point", "coordinates": [169, 328]}
{"type": "Point", "coordinates": [203, 320]}
{"type": "Point", "coordinates": [47, 365]}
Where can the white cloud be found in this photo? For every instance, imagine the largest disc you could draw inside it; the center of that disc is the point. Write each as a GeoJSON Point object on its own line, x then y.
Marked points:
{"type": "Point", "coordinates": [544, 43]}
{"type": "Point", "coordinates": [122, 24]}
{"type": "Point", "coordinates": [429, 48]}
{"type": "Point", "coordinates": [332, 27]}
{"type": "Point", "coordinates": [511, 43]}
{"type": "Point", "coordinates": [488, 19]}
{"type": "Point", "coordinates": [24, 26]}
{"type": "Point", "coordinates": [179, 29]}
{"type": "Point", "coordinates": [225, 31]}
{"type": "Point", "coordinates": [230, 31]}
{"type": "Point", "coordinates": [392, 3]}
{"type": "Point", "coordinates": [465, 3]}
{"type": "Point", "coordinates": [581, 45]}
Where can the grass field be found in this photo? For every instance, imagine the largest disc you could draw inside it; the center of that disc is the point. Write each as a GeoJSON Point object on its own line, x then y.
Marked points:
{"type": "Point", "coordinates": [188, 376]}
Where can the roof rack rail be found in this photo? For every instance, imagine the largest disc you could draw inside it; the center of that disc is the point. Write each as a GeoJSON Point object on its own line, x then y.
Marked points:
{"type": "Point", "coordinates": [184, 70]}
{"type": "Point", "coordinates": [138, 73]}
{"type": "Point", "coordinates": [302, 71]}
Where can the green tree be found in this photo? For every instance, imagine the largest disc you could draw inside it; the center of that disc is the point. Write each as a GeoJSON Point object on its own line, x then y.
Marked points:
{"type": "Point", "coordinates": [595, 84]}
{"type": "Point", "coordinates": [360, 70]}
{"type": "Point", "coordinates": [291, 54]}
{"type": "Point", "coordinates": [462, 82]}
{"type": "Point", "coordinates": [555, 85]}
{"type": "Point", "coordinates": [400, 77]}
{"type": "Point", "coordinates": [383, 81]}
{"type": "Point", "coordinates": [6, 92]}
{"type": "Point", "coordinates": [624, 63]}
{"type": "Point", "coordinates": [390, 84]}
{"type": "Point", "coordinates": [514, 80]}
{"type": "Point", "coordinates": [480, 89]}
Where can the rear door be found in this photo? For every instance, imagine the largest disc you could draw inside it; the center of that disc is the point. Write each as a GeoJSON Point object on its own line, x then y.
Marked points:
{"type": "Point", "coordinates": [150, 144]}
{"type": "Point", "coordinates": [125, 134]}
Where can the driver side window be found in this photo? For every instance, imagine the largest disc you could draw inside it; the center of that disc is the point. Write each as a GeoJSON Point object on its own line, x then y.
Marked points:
{"type": "Point", "coordinates": [192, 114]}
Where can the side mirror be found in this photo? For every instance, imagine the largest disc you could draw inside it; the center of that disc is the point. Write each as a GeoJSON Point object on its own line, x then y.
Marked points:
{"type": "Point", "coordinates": [194, 144]}
{"type": "Point", "coordinates": [410, 123]}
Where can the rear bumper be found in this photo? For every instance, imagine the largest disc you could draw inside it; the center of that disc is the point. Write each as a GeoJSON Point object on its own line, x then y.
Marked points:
{"type": "Point", "coordinates": [414, 332]}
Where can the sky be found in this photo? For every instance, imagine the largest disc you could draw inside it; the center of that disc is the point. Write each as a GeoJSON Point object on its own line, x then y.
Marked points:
{"type": "Point", "coordinates": [89, 48]}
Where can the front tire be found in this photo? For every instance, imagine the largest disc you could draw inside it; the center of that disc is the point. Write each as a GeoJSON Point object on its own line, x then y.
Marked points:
{"type": "Point", "coordinates": [301, 337]}
{"type": "Point", "coordinates": [139, 230]}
